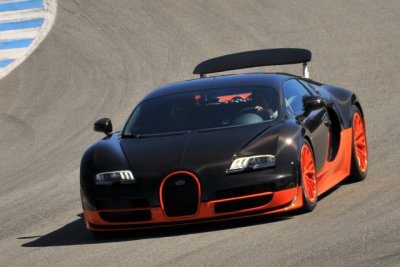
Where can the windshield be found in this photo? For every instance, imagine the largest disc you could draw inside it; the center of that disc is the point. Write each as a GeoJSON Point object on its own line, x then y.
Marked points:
{"type": "Point", "coordinates": [201, 110]}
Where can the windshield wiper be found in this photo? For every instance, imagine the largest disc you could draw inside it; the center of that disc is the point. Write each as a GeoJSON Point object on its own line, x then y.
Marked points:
{"type": "Point", "coordinates": [154, 135]}
{"type": "Point", "coordinates": [132, 136]}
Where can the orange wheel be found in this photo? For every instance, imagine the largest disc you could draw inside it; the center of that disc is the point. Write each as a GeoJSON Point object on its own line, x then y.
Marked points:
{"type": "Point", "coordinates": [360, 143]}
{"type": "Point", "coordinates": [359, 164]}
{"type": "Point", "coordinates": [308, 178]}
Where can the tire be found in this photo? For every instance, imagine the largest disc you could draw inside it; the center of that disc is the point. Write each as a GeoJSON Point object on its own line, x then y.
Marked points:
{"type": "Point", "coordinates": [359, 154]}
{"type": "Point", "coordinates": [308, 178]}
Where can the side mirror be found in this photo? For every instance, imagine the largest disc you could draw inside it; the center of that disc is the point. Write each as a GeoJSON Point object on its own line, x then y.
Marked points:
{"type": "Point", "coordinates": [311, 103]}
{"type": "Point", "coordinates": [103, 125]}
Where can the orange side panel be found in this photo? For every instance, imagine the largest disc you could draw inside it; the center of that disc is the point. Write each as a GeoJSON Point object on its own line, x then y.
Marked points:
{"type": "Point", "coordinates": [333, 172]}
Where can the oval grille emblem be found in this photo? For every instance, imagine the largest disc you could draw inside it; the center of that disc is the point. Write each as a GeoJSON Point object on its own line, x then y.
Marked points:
{"type": "Point", "coordinates": [180, 182]}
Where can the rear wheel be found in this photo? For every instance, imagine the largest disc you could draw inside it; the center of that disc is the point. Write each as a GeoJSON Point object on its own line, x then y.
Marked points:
{"type": "Point", "coordinates": [359, 158]}
{"type": "Point", "coordinates": [308, 178]}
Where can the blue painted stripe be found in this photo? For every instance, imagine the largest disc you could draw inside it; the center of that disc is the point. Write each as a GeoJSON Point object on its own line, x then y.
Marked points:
{"type": "Point", "coordinates": [5, 62]}
{"type": "Point", "coordinates": [13, 44]}
{"type": "Point", "coordinates": [21, 5]}
{"type": "Point", "coordinates": [22, 24]}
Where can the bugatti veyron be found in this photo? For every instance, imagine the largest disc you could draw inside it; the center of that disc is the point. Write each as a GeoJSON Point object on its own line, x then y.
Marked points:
{"type": "Point", "coordinates": [222, 147]}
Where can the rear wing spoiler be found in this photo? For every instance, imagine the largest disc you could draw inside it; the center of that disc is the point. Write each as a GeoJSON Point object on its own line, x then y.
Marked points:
{"type": "Point", "coordinates": [256, 58]}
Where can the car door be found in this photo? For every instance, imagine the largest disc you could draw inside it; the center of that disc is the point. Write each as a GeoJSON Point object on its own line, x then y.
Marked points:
{"type": "Point", "coordinates": [316, 121]}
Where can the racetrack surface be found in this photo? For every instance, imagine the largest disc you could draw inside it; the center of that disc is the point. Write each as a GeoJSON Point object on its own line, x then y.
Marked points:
{"type": "Point", "coordinates": [102, 57]}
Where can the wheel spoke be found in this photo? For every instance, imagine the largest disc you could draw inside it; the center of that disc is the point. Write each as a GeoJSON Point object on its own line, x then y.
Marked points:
{"type": "Point", "coordinates": [309, 164]}
{"type": "Point", "coordinates": [310, 193]}
{"type": "Point", "coordinates": [359, 134]}
{"type": "Point", "coordinates": [311, 185]}
{"type": "Point", "coordinates": [362, 156]}
{"type": "Point", "coordinates": [360, 150]}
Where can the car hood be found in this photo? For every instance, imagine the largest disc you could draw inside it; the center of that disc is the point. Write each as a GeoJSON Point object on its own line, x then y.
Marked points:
{"type": "Point", "coordinates": [206, 153]}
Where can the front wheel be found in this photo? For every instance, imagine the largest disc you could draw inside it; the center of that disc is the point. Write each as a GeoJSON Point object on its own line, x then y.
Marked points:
{"type": "Point", "coordinates": [359, 158]}
{"type": "Point", "coordinates": [308, 178]}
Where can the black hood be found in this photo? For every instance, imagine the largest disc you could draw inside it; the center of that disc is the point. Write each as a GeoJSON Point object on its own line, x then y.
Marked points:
{"type": "Point", "coordinates": [205, 153]}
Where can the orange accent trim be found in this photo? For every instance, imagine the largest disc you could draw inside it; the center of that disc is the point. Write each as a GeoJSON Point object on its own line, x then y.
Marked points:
{"type": "Point", "coordinates": [297, 203]}
{"type": "Point", "coordinates": [238, 198]}
{"type": "Point", "coordinates": [198, 188]}
{"type": "Point", "coordinates": [333, 172]}
{"type": "Point", "coordinates": [127, 209]}
{"type": "Point", "coordinates": [206, 211]}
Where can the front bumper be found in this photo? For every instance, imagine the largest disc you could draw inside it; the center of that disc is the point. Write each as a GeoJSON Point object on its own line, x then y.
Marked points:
{"type": "Point", "coordinates": [245, 195]}
{"type": "Point", "coordinates": [282, 201]}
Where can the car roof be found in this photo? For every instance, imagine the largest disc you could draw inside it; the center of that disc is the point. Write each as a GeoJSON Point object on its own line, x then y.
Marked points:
{"type": "Point", "coordinates": [272, 80]}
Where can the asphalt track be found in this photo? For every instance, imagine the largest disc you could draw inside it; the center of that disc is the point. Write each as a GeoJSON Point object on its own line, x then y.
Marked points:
{"type": "Point", "coordinates": [102, 57]}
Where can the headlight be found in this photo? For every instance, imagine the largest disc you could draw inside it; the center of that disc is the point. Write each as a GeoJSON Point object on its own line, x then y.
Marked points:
{"type": "Point", "coordinates": [108, 178]}
{"type": "Point", "coordinates": [252, 163]}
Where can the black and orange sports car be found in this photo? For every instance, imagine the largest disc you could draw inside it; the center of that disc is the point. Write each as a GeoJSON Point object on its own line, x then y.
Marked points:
{"type": "Point", "coordinates": [222, 147]}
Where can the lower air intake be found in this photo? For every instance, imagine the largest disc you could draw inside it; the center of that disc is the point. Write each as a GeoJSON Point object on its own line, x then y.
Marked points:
{"type": "Point", "coordinates": [180, 195]}
{"type": "Point", "coordinates": [126, 216]}
{"type": "Point", "coordinates": [242, 204]}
